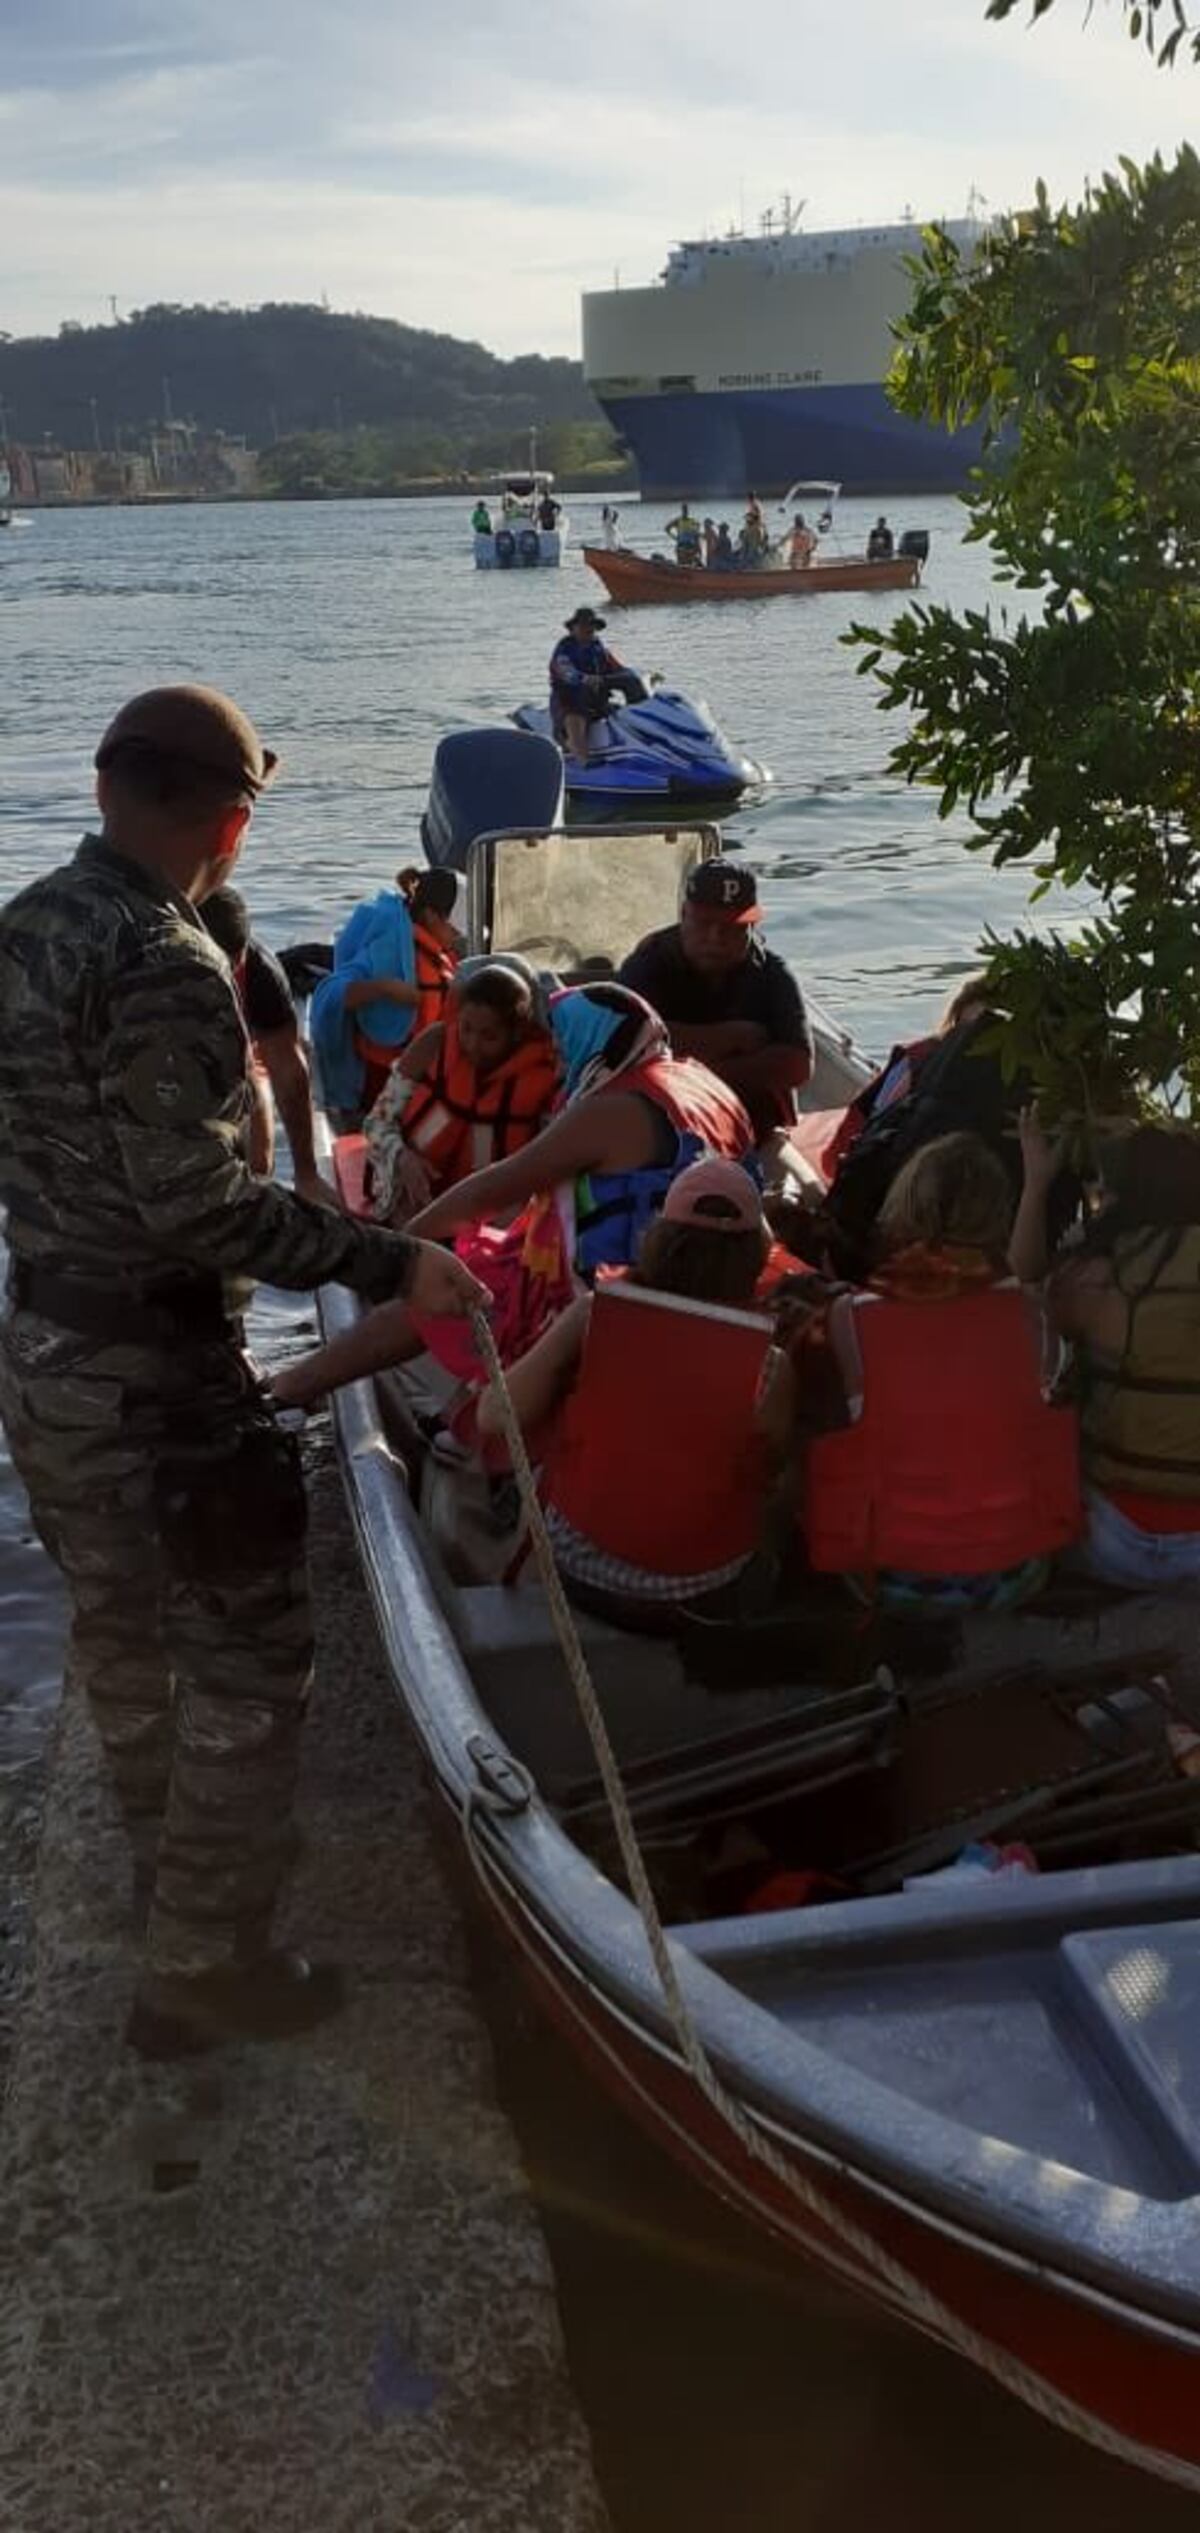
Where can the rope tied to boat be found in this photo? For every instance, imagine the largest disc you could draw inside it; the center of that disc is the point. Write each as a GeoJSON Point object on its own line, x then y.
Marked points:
{"type": "Point", "coordinates": [902, 2283]}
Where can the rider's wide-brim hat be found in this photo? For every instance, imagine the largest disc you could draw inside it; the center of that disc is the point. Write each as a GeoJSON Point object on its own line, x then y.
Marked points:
{"type": "Point", "coordinates": [585, 615]}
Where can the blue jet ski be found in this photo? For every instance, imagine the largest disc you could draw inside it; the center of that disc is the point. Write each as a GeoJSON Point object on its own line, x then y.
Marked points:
{"type": "Point", "coordinates": [653, 750]}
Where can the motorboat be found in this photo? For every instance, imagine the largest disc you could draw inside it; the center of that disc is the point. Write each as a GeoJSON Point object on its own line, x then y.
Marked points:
{"type": "Point", "coordinates": [521, 536]}
{"type": "Point", "coordinates": [632, 579]}
{"type": "Point", "coordinates": [973, 2098]}
{"type": "Point", "coordinates": [654, 748]}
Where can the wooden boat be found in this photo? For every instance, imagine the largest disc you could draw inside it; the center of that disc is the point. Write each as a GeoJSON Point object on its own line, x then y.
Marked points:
{"type": "Point", "coordinates": [633, 580]}
{"type": "Point", "coordinates": [976, 2102]}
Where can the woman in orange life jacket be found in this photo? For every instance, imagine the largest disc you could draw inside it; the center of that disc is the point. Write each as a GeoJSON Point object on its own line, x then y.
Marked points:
{"type": "Point", "coordinates": [437, 943]}
{"type": "Point", "coordinates": [632, 1117]}
{"type": "Point", "coordinates": [430, 897]}
{"type": "Point", "coordinates": [954, 1480]}
{"type": "Point", "coordinates": [1127, 1298]}
{"type": "Point", "coordinates": [655, 1503]}
{"type": "Point", "coordinates": [476, 1086]}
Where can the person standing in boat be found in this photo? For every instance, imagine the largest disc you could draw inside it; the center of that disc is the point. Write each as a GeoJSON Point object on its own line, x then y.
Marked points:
{"type": "Point", "coordinates": [710, 544]}
{"type": "Point", "coordinates": [549, 512]}
{"type": "Point", "coordinates": [609, 518]}
{"type": "Point", "coordinates": [582, 670]}
{"type": "Point", "coordinates": [754, 539]}
{"type": "Point", "coordinates": [684, 533]}
{"type": "Point", "coordinates": [881, 544]}
{"type": "Point", "coordinates": [157, 1475]}
{"type": "Point", "coordinates": [726, 999]}
{"type": "Point", "coordinates": [802, 544]}
{"type": "Point", "coordinates": [481, 518]}
{"type": "Point", "coordinates": [1127, 1299]}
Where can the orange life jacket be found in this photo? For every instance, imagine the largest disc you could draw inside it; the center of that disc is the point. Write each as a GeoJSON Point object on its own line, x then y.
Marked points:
{"type": "Point", "coordinates": [956, 1464]}
{"type": "Point", "coordinates": [434, 978]}
{"type": "Point", "coordinates": [458, 1120]}
{"type": "Point", "coordinates": [653, 1456]}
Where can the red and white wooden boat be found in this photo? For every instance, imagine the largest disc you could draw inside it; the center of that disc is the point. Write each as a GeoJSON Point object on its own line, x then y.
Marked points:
{"type": "Point", "coordinates": [636, 580]}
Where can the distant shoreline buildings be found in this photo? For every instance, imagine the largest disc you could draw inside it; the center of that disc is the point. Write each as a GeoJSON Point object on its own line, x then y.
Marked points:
{"type": "Point", "coordinates": [169, 462]}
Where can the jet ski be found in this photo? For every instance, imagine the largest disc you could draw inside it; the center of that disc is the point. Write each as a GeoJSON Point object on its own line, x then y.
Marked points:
{"type": "Point", "coordinates": [653, 749]}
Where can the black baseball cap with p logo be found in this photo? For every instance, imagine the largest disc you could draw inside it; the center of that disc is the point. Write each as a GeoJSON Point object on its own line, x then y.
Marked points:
{"type": "Point", "coordinates": [724, 888]}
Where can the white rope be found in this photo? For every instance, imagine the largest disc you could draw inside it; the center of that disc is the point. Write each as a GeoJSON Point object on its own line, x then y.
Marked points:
{"type": "Point", "coordinates": [920, 2300]}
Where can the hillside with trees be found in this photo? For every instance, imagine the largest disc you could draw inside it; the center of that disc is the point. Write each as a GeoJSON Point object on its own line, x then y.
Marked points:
{"type": "Point", "coordinates": [383, 399]}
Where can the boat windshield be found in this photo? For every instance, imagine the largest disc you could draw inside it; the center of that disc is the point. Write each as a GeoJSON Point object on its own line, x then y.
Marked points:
{"type": "Point", "coordinates": [569, 900]}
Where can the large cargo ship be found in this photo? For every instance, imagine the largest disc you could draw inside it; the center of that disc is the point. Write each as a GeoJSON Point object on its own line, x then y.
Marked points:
{"type": "Point", "coordinates": [759, 359]}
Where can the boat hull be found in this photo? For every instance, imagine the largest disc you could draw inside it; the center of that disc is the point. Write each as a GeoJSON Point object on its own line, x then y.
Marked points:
{"type": "Point", "coordinates": [712, 447]}
{"type": "Point", "coordinates": [1124, 2383]}
{"type": "Point", "coordinates": [632, 581]}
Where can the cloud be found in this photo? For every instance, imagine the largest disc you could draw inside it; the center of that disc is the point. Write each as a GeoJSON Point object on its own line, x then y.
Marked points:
{"type": "Point", "coordinates": [474, 167]}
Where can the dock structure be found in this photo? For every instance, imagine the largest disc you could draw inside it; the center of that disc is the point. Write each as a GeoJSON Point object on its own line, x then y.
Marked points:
{"type": "Point", "coordinates": [296, 2289]}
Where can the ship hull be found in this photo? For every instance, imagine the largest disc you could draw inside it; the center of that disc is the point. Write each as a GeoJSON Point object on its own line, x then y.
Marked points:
{"type": "Point", "coordinates": [714, 447]}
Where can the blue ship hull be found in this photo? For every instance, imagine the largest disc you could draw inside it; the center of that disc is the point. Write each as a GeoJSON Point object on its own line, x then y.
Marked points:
{"type": "Point", "coordinates": [713, 447]}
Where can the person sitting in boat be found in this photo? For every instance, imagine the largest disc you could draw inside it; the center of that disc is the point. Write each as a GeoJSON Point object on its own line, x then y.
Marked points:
{"type": "Point", "coordinates": [548, 513]}
{"type": "Point", "coordinates": [725, 997]}
{"type": "Point", "coordinates": [723, 559]}
{"type": "Point", "coordinates": [881, 544]}
{"type": "Point", "coordinates": [481, 518]}
{"type": "Point", "coordinates": [279, 1074]}
{"type": "Point", "coordinates": [582, 669]}
{"type": "Point", "coordinates": [954, 1480]}
{"type": "Point", "coordinates": [958, 1083]}
{"type": "Point", "coordinates": [1128, 1300]}
{"type": "Point", "coordinates": [802, 543]}
{"type": "Point", "coordinates": [685, 535]}
{"type": "Point", "coordinates": [472, 1088]}
{"type": "Point", "coordinates": [633, 1116]}
{"type": "Point", "coordinates": [393, 963]}
{"type": "Point", "coordinates": [640, 1538]}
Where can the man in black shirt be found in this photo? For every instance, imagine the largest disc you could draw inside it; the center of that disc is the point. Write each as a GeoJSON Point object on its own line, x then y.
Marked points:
{"type": "Point", "coordinates": [280, 1072]}
{"type": "Point", "coordinates": [725, 997]}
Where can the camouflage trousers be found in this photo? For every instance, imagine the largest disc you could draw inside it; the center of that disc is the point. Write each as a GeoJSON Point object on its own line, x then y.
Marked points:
{"type": "Point", "coordinates": [174, 1505]}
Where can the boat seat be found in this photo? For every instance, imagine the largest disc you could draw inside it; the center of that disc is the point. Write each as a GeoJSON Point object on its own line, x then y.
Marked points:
{"type": "Point", "coordinates": [1136, 1989]}
{"type": "Point", "coordinates": [511, 1646]}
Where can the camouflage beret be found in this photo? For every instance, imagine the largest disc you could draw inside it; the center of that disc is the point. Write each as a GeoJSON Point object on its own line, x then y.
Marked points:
{"type": "Point", "coordinates": [196, 724]}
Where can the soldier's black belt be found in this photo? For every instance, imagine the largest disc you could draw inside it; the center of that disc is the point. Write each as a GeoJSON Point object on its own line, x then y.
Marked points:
{"type": "Point", "coordinates": [176, 1310]}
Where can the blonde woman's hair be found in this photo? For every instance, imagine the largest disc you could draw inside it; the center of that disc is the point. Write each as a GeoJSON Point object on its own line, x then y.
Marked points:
{"type": "Point", "coordinates": [953, 1193]}
{"type": "Point", "coordinates": [970, 989]}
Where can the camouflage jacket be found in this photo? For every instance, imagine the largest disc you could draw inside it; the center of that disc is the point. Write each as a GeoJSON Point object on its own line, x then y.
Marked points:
{"type": "Point", "coordinates": [124, 1100]}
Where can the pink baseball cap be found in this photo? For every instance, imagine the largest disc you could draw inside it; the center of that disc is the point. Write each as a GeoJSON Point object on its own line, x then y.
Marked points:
{"type": "Point", "coordinates": [715, 1195]}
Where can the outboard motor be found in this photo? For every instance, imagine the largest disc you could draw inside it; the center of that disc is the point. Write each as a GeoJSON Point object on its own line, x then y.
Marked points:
{"type": "Point", "coordinates": [487, 779]}
{"type": "Point", "coordinates": [914, 545]}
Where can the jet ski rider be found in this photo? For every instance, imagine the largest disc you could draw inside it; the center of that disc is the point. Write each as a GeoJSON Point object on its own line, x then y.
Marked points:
{"type": "Point", "coordinates": [582, 670]}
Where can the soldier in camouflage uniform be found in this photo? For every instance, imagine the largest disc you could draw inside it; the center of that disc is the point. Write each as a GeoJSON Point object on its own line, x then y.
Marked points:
{"type": "Point", "coordinates": [157, 1474]}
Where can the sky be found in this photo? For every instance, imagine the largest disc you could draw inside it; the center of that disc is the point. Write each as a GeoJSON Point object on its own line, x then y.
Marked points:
{"type": "Point", "coordinates": [471, 166]}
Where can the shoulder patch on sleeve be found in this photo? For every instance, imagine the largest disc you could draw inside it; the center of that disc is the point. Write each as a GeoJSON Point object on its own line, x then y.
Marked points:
{"type": "Point", "coordinates": [163, 1085]}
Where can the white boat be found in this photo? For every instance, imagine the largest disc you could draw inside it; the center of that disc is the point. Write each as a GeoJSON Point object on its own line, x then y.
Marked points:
{"type": "Point", "coordinates": [521, 537]}
{"type": "Point", "coordinates": [978, 2104]}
